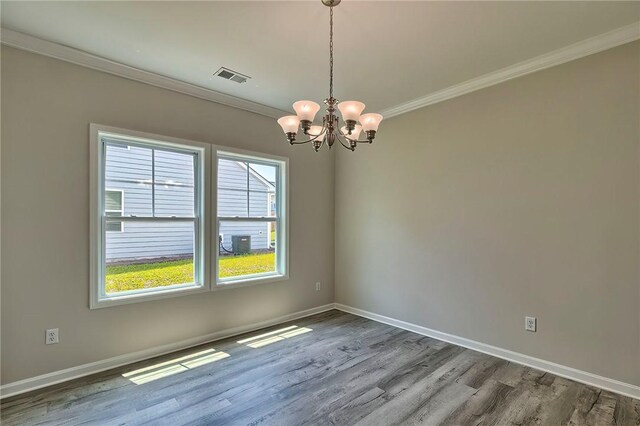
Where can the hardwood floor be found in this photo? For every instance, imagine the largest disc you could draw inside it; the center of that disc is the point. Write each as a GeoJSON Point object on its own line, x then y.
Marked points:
{"type": "Point", "coordinates": [331, 368]}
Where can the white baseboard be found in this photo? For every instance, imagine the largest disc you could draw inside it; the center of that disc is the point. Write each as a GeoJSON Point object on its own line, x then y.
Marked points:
{"type": "Point", "coordinates": [26, 385]}
{"type": "Point", "coordinates": [540, 364]}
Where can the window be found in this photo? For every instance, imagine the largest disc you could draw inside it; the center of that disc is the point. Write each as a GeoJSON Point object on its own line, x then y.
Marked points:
{"type": "Point", "coordinates": [250, 218]}
{"type": "Point", "coordinates": [154, 244]}
{"type": "Point", "coordinates": [172, 217]}
{"type": "Point", "coordinates": [113, 201]}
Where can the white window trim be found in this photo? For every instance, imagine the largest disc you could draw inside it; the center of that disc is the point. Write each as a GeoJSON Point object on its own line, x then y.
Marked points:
{"type": "Point", "coordinates": [208, 175]}
{"type": "Point", "coordinates": [97, 243]}
{"type": "Point", "coordinates": [282, 187]}
{"type": "Point", "coordinates": [121, 211]}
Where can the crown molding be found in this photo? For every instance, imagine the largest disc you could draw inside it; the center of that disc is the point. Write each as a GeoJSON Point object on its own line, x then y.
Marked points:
{"type": "Point", "coordinates": [560, 56]}
{"type": "Point", "coordinates": [574, 51]}
{"type": "Point", "coordinates": [58, 51]}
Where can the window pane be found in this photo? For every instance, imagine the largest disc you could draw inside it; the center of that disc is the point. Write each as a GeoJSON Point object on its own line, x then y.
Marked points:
{"type": "Point", "coordinates": [112, 225]}
{"type": "Point", "coordinates": [232, 188]}
{"type": "Point", "coordinates": [246, 248]}
{"type": "Point", "coordinates": [174, 184]}
{"type": "Point", "coordinates": [262, 177]}
{"type": "Point", "coordinates": [149, 255]}
{"type": "Point", "coordinates": [262, 190]}
{"type": "Point", "coordinates": [232, 202]}
{"type": "Point", "coordinates": [128, 170]}
{"type": "Point", "coordinates": [113, 207]}
{"type": "Point", "coordinates": [246, 189]}
{"type": "Point", "coordinates": [113, 200]}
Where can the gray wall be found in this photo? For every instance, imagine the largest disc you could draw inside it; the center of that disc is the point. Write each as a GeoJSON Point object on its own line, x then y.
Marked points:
{"type": "Point", "coordinates": [47, 106]}
{"type": "Point", "coordinates": [519, 199]}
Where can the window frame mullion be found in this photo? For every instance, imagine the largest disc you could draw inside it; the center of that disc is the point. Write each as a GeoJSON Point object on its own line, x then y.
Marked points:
{"type": "Point", "coordinates": [153, 182]}
{"type": "Point", "coordinates": [247, 219]}
{"type": "Point", "coordinates": [153, 219]}
{"type": "Point", "coordinates": [248, 192]}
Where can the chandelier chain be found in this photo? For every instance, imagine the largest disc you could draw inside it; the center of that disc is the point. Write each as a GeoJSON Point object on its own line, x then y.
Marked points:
{"type": "Point", "coordinates": [331, 52]}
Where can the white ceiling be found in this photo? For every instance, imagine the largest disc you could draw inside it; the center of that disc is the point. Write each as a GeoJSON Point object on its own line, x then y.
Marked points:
{"type": "Point", "coordinates": [386, 52]}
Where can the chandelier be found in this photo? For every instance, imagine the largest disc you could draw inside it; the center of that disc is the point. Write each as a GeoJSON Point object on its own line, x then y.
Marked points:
{"type": "Point", "coordinates": [330, 132]}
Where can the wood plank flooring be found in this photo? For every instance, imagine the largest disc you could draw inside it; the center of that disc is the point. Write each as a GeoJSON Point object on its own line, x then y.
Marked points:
{"type": "Point", "coordinates": [331, 368]}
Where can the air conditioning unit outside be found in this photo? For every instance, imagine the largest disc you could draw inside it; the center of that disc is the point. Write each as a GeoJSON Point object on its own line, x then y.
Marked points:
{"type": "Point", "coordinates": [241, 244]}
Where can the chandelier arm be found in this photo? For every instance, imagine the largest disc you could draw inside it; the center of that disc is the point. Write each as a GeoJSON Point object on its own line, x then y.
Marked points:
{"type": "Point", "coordinates": [367, 141]}
{"type": "Point", "coordinates": [322, 133]}
{"type": "Point", "coordinates": [338, 137]}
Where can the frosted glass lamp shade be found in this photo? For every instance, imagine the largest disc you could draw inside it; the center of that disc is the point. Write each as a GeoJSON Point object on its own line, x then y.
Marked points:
{"type": "Point", "coordinates": [306, 110]}
{"type": "Point", "coordinates": [315, 131]}
{"type": "Point", "coordinates": [355, 133]}
{"type": "Point", "coordinates": [351, 110]}
{"type": "Point", "coordinates": [370, 121]}
{"type": "Point", "coordinates": [289, 123]}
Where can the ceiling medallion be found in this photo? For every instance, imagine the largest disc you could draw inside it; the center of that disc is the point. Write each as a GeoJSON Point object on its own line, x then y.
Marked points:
{"type": "Point", "coordinates": [330, 132]}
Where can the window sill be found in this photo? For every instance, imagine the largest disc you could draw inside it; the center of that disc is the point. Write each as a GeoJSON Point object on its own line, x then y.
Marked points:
{"type": "Point", "coordinates": [250, 281]}
{"type": "Point", "coordinates": [147, 296]}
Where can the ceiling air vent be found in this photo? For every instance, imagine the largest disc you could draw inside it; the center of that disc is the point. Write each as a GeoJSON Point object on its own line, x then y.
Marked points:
{"type": "Point", "coordinates": [228, 74]}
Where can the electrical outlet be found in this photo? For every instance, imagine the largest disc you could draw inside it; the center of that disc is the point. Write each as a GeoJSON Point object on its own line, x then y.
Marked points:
{"type": "Point", "coordinates": [530, 323]}
{"type": "Point", "coordinates": [318, 286]}
{"type": "Point", "coordinates": [51, 336]}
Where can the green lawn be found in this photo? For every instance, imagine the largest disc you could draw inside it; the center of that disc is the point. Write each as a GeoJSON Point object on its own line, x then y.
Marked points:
{"type": "Point", "coordinates": [233, 266]}
{"type": "Point", "coordinates": [150, 275]}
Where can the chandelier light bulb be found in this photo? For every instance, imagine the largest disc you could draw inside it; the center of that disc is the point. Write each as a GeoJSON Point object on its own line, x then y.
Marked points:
{"type": "Point", "coordinates": [355, 133]}
{"type": "Point", "coordinates": [370, 121]}
{"type": "Point", "coordinates": [351, 110]}
{"type": "Point", "coordinates": [306, 110]}
{"type": "Point", "coordinates": [289, 123]}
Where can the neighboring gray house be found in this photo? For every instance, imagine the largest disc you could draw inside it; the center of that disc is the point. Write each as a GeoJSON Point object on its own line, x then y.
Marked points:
{"type": "Point", "coordinates": [128, 193]}
{"type": "Point", "coordinates": [242, 194]}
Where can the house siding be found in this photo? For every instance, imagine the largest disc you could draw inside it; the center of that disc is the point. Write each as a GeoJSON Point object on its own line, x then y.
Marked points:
{"type": "Point", "coordinates": [232, 201]}
{"type": "Point", "coordinates": [130, 170]}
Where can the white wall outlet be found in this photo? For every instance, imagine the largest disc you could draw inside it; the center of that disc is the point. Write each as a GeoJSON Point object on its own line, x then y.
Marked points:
{"type": "Point", "coordinates": [530, 323]}
{"type": "Point", "coordinates": [318, 286]}
{"type": "Point", "coordinates": [51, 336]}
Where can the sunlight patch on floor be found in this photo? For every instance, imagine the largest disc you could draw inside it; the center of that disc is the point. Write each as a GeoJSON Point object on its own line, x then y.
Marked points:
{"type": "Point", "coordinates": [174, 366]}
{"type": "Point", "coordinates": [274, 336]}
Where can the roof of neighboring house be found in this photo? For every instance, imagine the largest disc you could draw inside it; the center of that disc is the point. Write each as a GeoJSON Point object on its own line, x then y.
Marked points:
{"type": "Point", "coordinates": [270, 185]}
